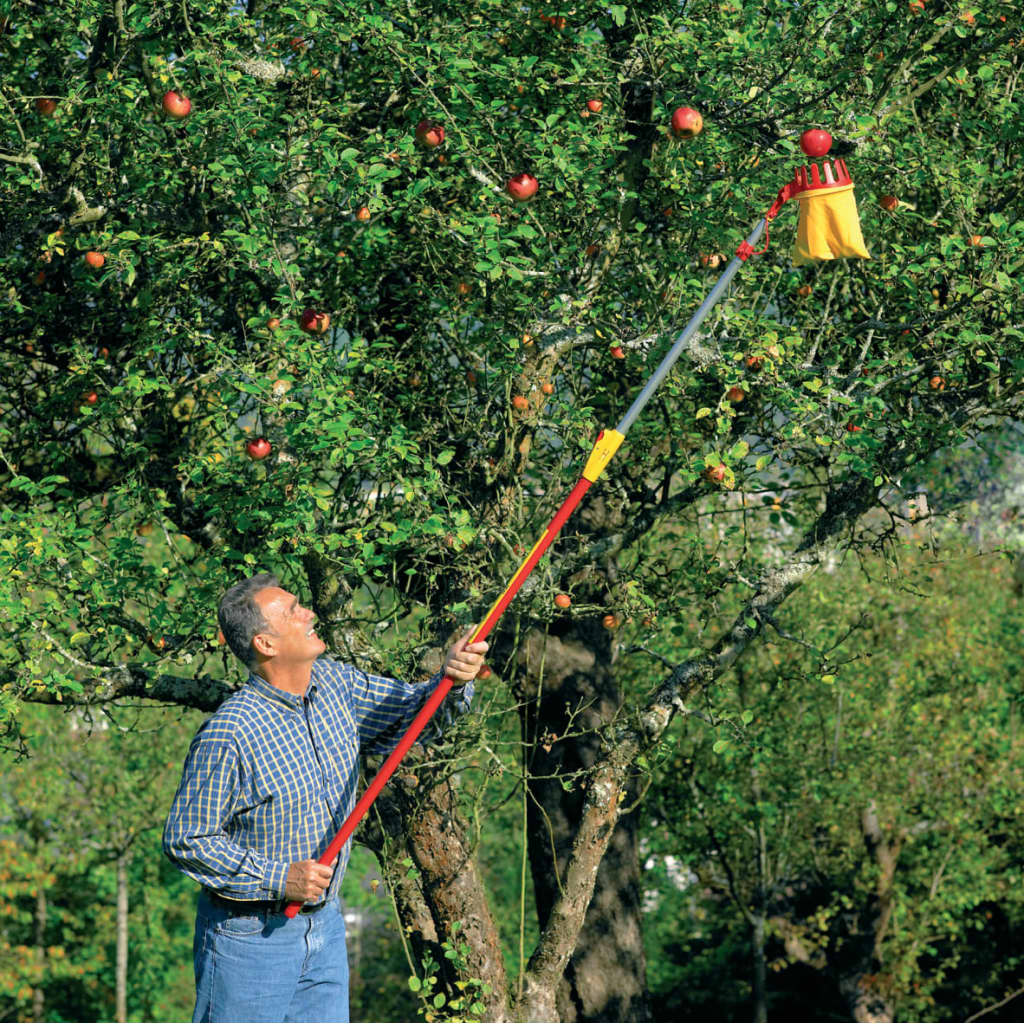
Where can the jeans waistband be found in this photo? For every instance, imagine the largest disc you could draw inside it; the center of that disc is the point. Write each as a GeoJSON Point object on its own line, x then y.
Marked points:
{"type": "Point", "coordinates": [247, 908]}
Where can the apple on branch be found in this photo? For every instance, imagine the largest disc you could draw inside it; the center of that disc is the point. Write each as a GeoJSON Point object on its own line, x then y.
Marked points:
{"type": "Point", "coordinates": [258, 448]}
{"type": "Point", "coordinates": [95, 259]}
{"type": "Point", "coordinates": [429, 134]}
{"type": "Point", "coordinates": [521, 187]}
{"type": "Point", "coordinates": [176, 105]}
{"type": "Point", "coordinates": [313, 322]}
{"type": "Point", "coordinates": [686, 123]}
{"type": "Point", "coordinates": [46, 106]}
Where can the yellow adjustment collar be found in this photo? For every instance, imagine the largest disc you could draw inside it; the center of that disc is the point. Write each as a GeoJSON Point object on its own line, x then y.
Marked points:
{"type": "Point", "coordinates": [605, 447]}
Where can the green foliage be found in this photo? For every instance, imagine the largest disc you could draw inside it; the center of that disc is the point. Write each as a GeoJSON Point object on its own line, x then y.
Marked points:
{"type": "Point", "coordinates": [464, 1003]}
{"type": "Point", "coordinates": [918, 718]}
{"type": "Point", "coordinates": [89, 791]}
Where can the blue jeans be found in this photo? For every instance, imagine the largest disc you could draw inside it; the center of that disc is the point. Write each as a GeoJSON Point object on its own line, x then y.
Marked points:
{"type": "Point", "coordinates": [267, 967]}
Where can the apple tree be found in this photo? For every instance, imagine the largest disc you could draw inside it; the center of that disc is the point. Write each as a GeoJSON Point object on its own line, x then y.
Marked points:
{"type": "Point", "coordinates": [279, 328]}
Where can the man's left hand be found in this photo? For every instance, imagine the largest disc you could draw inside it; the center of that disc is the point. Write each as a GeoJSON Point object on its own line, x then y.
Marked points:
{"type": "Point", "coordinates": [465, 659]}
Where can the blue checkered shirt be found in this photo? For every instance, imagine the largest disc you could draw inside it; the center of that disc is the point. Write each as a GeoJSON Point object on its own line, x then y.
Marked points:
{"type": "Point", "coordinates": [270, 777]}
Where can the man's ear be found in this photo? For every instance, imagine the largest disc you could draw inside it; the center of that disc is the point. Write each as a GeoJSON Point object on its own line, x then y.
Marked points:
{"type": "Point", "coordinates": [263, 643]}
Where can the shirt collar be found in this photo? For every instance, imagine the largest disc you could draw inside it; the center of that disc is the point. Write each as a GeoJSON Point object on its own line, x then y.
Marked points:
{"type": "Point", "coordinates": [277, 695]}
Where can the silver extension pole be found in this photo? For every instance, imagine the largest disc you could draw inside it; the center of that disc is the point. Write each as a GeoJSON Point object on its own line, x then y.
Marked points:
{"type": "Point", "coordinates": [687, 333]}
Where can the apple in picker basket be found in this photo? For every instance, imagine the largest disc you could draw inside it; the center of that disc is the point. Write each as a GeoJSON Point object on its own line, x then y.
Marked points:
{"type": "Point", "coordinates": [176, 105]}
{"type": "Point", "coordinates": [521, 187]}
{"type": "Point", "coordinates": [815, 142]}
{"type": "Point", "coordinates": [429, 134]}
{"type": "Point", "coordinates": [258, 448]}
{"type": "Point", "coordinates": [686, 123]}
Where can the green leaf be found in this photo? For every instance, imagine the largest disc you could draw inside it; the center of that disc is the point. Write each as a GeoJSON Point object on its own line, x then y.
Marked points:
{"type": "Point", "coordinates": [414, 983]}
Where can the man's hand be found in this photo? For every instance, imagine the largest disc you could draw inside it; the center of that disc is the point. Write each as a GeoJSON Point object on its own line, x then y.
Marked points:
{"type": "Point", "coordinates": [465, 659]}
{"type": "Point", "coordinates": [307, 880]}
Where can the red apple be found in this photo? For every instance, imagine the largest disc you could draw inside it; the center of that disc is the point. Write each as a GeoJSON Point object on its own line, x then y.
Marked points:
{"type": "Point", "coordinates": [686, 123]}
{"type": "Point", "coordinates": [563, 600]}
{"type": "Point", "coordinates": [716, 474]}
{"type": "Point", "coordinates": [273, 323]}
{"type": "Point", "coordinates": [852, 427]}
{"type": "Point", "coordinates": [521, 187]}
{"type": "Point", "coordinates": [976, 240]}
{"type": "Point", "coordinates": [313, 322]}
{"type": "Point", "coordinates": [754, 362]}
{"type": "Point", "coordinates": [177, 105]}
{"type": "Point", "coordinates": [594, 106]}
{"type": "Point", "coordinates": [363, 214]}
{"type": "Point", "coordinates": [258, 448]}
{"type": "Point", "coordinates": [815, 142]}
{"type": "Point", "coordinates": [735, 395]}
{"type": "Point", "coordinates": [888, 202]}
{"type": "Point", "coordinates": [937, 384]}
{"type": "Point", "coordinates": [95, 259]}
{"type": "Point", "coordinates": [90, 398]}
{"type": "Point", "coordinates": [610, 622]}
{"type": "Point", "coordinates": [584, 112]}
{"type": "Point", "coordinates": [520, 403]}
{"type": "Point", "coordinates": [429, 134]}
{"type": "Point", "coordinates": [46, 107]}
{"type": "Point", "coordinates": [617, 353]}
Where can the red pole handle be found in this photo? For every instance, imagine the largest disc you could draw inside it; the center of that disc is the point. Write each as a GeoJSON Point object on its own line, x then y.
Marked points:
{"type": "Point", "coordinates": [434, 700]}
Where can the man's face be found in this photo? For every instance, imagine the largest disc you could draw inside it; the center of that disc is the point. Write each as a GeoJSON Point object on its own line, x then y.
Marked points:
{"type": "Point", "coordinates": [291, 638]}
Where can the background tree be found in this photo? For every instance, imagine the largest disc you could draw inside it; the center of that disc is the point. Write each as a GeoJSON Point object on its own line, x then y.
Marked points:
{"type": "Point", "coordinates": [460, 353]}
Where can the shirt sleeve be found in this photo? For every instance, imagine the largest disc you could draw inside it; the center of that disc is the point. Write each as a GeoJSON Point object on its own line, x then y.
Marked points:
{"type": "Point", "coordinates": [194, 835]}
{"type": "Point", "coordinates": [384, 708]}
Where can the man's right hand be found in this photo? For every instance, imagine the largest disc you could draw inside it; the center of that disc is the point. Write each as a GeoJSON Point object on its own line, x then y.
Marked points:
{"type": "Point", "coordinates": [307, 880]}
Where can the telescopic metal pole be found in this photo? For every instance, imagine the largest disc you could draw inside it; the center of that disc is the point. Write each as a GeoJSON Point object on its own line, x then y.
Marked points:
{"type": "Point", "coordinates": [605, 447]}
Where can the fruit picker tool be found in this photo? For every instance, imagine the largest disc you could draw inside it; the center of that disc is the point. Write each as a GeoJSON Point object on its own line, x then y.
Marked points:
{"type": "Point", "coordinates": [828, 228]}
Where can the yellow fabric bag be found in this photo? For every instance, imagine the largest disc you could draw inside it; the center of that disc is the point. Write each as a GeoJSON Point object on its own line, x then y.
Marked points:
{"type": "Point", "coordinates": [828, 227]}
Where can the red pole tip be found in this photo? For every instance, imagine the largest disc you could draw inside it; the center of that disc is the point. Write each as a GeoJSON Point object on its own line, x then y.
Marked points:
{"type": "Point", "coordinates": [815, 142]}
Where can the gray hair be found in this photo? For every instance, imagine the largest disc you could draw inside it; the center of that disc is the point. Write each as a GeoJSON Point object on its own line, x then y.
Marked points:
{"type": "Point", "coordinates": [240, 617]}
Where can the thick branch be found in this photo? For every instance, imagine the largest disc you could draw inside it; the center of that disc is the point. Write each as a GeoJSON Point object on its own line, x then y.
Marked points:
{"type": "Point", "coordinates": [601, 808]}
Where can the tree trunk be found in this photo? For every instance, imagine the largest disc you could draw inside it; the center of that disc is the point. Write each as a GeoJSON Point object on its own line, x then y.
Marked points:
{"type": "Point", "coordinates": [39, 996]}
{"type": "Point", "coordinates": [121, 965]}
{"type": "Point", "coordinates": [576, 694]}
{"type": "Point", "coordinates": [427, 819]}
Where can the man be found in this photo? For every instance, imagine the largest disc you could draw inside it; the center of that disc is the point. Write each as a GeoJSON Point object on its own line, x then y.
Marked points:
{"type": "Point", "coordinates": [268, 781]}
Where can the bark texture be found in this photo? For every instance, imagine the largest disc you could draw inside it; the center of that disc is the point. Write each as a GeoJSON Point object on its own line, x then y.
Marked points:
{"type": "Point", "coordinates": [606, 975]}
